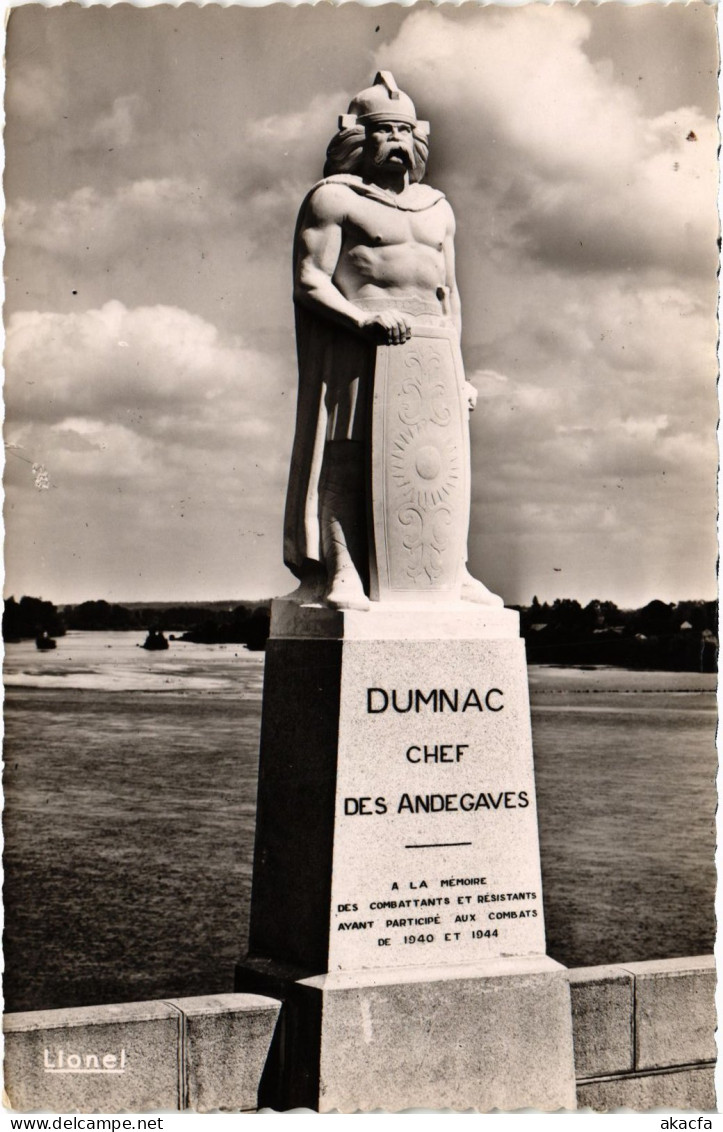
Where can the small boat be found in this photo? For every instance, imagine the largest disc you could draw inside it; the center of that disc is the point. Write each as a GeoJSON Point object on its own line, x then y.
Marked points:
{"type": "Point", "coordinates": [155, 641]}
{"type": "Point", "coordinates": [45, 643]}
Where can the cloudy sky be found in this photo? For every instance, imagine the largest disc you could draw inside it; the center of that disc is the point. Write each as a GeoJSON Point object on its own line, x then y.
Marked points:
{"type": "Point", "coordinates": [156, 160]}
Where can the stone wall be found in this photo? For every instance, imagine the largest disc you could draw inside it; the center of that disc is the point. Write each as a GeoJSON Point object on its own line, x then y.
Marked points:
{"type": "Point", "coordinates": [644, 1034]}
{"type": "Point", "coordinates": [644, 1038]}
{"type": "Point", "coordinates": [204, 1054]}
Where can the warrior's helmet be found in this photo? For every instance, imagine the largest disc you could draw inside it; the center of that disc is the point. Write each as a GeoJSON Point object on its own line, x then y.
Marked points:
{"type": "Point", "coordinates": [383, 101]}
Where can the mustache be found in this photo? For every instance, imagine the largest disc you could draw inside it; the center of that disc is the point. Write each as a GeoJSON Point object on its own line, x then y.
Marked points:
{"type": "Point", "coordinates": [395, 149]}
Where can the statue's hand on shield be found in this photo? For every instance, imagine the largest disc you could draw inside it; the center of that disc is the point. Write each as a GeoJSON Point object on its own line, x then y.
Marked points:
{"type": "Point", "coordinates": [388, 327]}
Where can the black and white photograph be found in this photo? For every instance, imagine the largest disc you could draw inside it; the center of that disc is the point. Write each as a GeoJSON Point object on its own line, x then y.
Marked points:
{"type": "Point", "coordinates": [360, 622]}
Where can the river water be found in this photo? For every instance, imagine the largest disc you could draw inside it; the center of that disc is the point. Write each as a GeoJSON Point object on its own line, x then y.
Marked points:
{"type": "Point", "coordinates": [130, 787]}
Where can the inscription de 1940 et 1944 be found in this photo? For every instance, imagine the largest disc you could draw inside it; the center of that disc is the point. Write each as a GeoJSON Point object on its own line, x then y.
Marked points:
{"type": "Point", "coordinates": [447, 919]}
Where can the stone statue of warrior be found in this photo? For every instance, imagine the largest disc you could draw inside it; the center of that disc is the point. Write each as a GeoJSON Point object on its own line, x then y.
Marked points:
{"type": "Point", "coordinates": [373, 270]}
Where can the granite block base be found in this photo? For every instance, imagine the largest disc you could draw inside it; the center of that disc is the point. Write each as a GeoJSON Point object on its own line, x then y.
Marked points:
{"type": "Point", "coordinates": [492, 1036]}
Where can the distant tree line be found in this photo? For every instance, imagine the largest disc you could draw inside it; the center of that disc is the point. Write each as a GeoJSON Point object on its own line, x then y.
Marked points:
{"type": "Point", "coordinates": [675, 637]}
{"type": "Point", "coordinates": [679, 637]}
{"type": "Point", "coordinates": [248, 625]}
{"type": "Point", "coordinates": [245, 623]}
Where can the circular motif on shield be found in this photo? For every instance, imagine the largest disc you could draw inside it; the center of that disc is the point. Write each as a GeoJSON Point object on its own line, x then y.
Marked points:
{"type": "Point", "coordinates": [425, 466]}
{"type": "Point", "coordinates": [428, 462]}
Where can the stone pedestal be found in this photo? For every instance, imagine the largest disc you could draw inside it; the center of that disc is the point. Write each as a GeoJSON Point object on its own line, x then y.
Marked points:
{"type": "Point", "coordinates": [396, 904]}
{"type": "Point", "coordinates": [493, 1035]}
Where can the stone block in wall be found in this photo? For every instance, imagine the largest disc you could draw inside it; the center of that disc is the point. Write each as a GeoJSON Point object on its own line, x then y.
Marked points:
{"type": "Point", "coordinates": [677, 1089]}
{"type": "Point", "coordinates": [675, 1016]}
{"type": "Point", "coordinates": [602, 1020]}
{"type": "Point", "coordinates": [117, 1058]}
{"type": "Point", "coordinates": [227, 1040]}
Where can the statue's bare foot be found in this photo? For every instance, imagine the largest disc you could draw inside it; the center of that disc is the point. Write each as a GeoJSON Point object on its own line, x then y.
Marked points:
{"type": "Point", "coordinates": [346, 590]}
{"type": "Point", "coordinates": [474, 590]}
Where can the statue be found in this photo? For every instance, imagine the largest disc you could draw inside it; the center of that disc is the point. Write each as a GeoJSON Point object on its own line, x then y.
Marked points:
{"type": "Point", "coordinates": [378, 497]}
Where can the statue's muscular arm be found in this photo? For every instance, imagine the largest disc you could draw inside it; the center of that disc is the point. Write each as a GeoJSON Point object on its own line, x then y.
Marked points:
{"type": "Point", "coordinates": [455, 306]}
{"type": "Point", "coordinates": [319, 242]}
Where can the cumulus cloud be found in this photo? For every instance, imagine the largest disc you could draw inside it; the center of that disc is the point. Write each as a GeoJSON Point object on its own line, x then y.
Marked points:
{"type": "Point", "coordinates": [250, 196]}
{"type": "Point", "coordinates": [166, 371]}
{"type": "Point", "coordinates": [639, 409]}
{"type": "Point", "coordinates": [563, 153]}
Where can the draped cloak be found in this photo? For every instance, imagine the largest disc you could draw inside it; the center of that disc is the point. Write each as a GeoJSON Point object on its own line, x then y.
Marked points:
{"type": "Point", "coordinates": [336, 371]}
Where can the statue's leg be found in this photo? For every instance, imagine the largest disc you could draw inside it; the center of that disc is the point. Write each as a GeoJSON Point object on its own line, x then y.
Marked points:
{"type": "Point", "coordinates": [342, 503]}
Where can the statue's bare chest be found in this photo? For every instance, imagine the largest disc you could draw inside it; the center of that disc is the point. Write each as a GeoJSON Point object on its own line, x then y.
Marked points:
{"type": "Point", "coordinates": [372, 224]}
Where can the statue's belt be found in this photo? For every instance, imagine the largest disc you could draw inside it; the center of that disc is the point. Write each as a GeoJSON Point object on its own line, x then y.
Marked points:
{"type": "Point", "coordinates": [429, 312]}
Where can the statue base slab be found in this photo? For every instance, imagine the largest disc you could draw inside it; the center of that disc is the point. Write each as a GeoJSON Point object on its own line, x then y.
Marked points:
{"type": "Point", "coordinates": [496, 1035]}
{"type": "Point", "coordinates": [394, 621]}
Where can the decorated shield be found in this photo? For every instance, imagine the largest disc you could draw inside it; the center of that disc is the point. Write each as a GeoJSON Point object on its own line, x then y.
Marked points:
{"type": "Point", "coordinates": [419, 469]}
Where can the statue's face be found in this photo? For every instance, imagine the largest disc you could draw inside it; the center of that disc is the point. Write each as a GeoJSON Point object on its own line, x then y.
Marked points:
{"type": "Point", "coordinates": [390, 146]}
